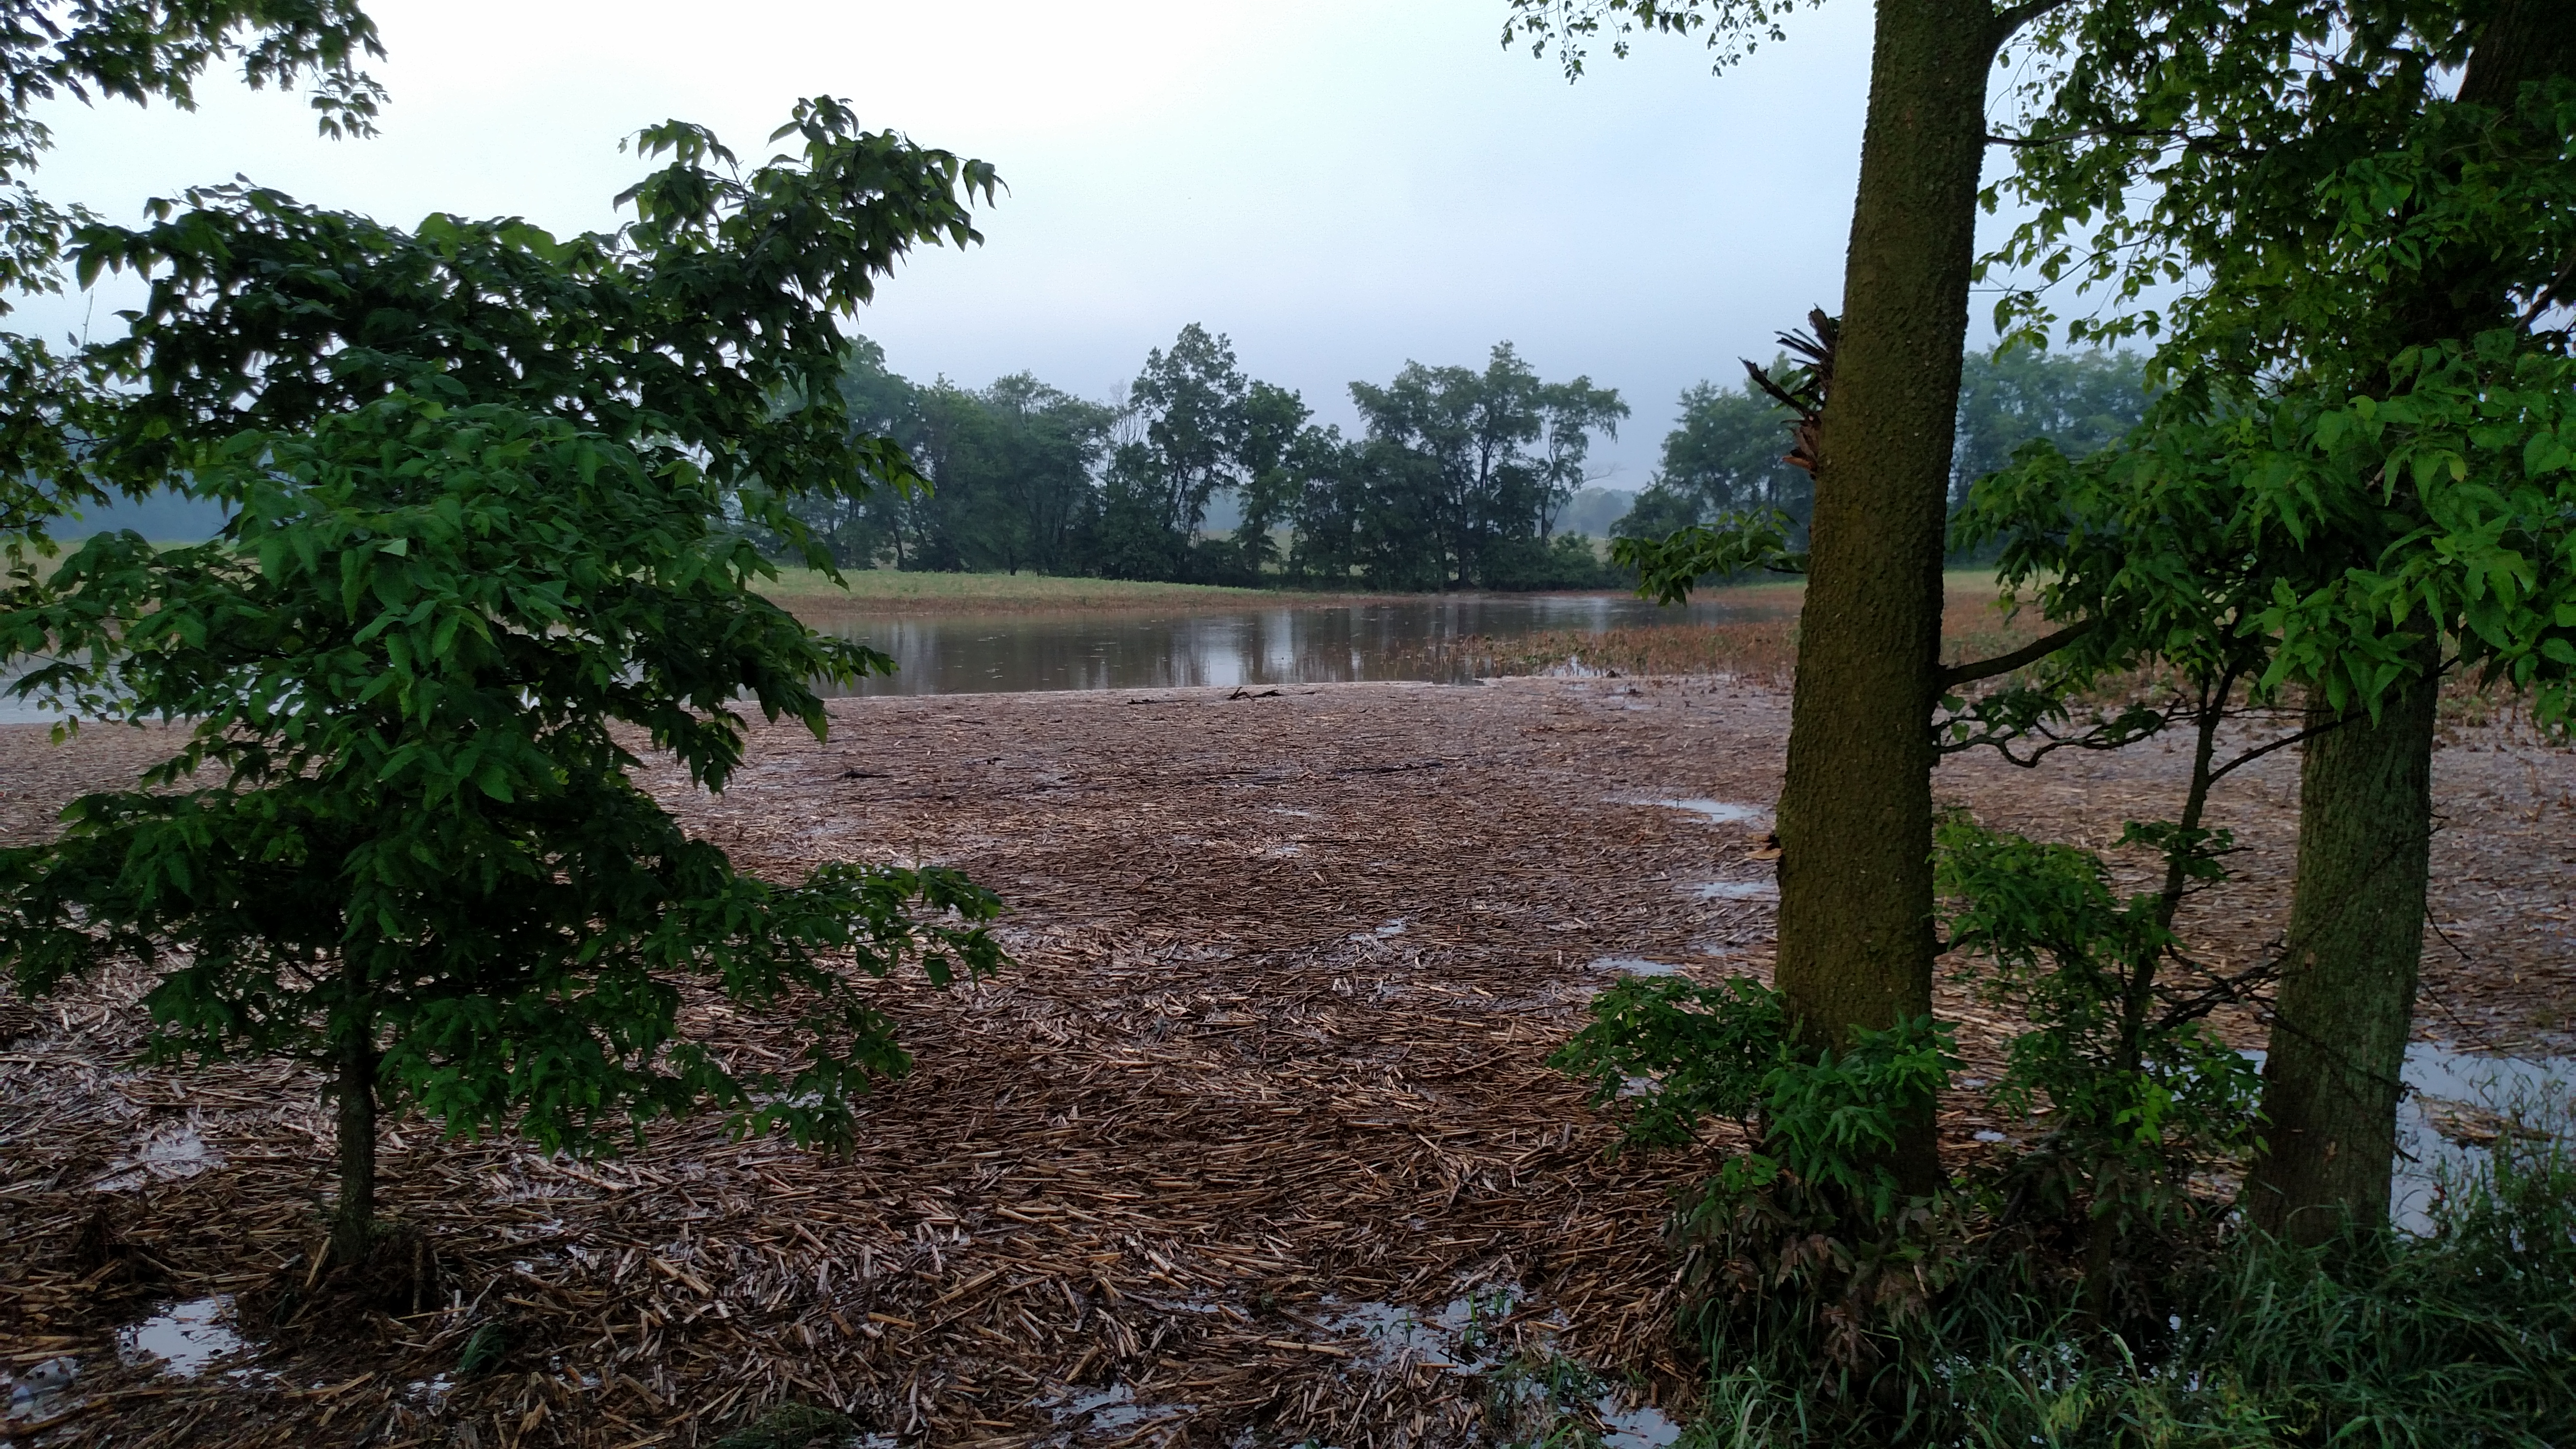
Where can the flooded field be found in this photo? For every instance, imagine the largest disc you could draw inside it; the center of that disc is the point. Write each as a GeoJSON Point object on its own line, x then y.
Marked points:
{"type": "Point", "coordinates": [1435, 639]}
{"type": "Point", "coordinates": [1255, 1141]}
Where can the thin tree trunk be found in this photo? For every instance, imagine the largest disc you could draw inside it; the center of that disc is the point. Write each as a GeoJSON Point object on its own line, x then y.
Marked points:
{"type": "Point", "coordinates": [2333, 1078]}
{"type": "Point", "coordinates": [354, 1215]}
{"type": "Point", "coordinates": [1856, 931]}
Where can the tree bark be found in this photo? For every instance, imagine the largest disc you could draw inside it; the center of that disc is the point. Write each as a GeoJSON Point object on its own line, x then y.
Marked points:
{"type": "Point", "coordinates": [353, 1217]}
{"type": "Point", "coordinates": [1855, 817]}
{"type": "Point", "coordinates": [2333, 1078]}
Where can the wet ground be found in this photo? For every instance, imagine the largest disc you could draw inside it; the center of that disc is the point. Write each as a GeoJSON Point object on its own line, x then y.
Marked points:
{"type": "Point", "coordinates": [1256, 1137]}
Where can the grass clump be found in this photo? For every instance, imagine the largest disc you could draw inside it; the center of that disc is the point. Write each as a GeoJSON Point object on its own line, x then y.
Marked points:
{"type": "Point", "coordinates": [794, 1426]}
{"type": "Point", "coordinates": [2464, 1337]}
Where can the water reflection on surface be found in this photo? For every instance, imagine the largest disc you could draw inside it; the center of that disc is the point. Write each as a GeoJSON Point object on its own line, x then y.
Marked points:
{"type": "Point", "coordinates": [1290, 644]}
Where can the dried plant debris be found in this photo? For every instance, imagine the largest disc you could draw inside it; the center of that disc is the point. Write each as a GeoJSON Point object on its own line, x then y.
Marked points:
{"type": "Point", "coordinates": [1256, 1143]}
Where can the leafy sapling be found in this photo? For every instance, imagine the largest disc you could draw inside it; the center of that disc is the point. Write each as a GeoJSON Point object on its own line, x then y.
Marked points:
{"type": "Point", "coordinates": [486, 489]}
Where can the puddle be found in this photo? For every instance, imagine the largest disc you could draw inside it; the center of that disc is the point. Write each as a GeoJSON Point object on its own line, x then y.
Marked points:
{"type": "Point", "coordinates": [1643, 1427]}
{"type": "Point", "coordinates": [1714, 812]}
{"type": "Point", "coordinates": [167, 1153]}
{"type": "Point", "coordinates": [1393, 1332]}
{"type": "Point", "coordinates": [185, 1337]}
{"type": "Point", "coordinates": [1736, 890]}
{"type": "Point", "coordinates": [1454, 1339]}
{"type": "Point", "coordinates": [1114, 1407]}
{"type": "Point", "coordinates": [37, 1392]}
{"type": "Point", "coordinates": [2455, 1102]}
{"type": "Point", "coordinates": [1634, 966]}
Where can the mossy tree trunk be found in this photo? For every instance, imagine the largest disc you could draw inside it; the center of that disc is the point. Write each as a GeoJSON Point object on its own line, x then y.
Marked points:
{"type": "Point", "coordinates": [1856, 929]}
{"type": "Point", "coordinates": [2333, 1078]}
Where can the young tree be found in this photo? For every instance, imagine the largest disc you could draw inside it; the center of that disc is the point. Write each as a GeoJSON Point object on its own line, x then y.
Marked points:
{"type": "Point", "coordinates": [484, 480]}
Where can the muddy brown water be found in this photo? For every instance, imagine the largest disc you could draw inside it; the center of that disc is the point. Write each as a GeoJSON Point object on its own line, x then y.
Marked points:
{"type": "Point", "coordinates": [1290, 643]}
{"type": "Point", "coordinates": [1399, 639]}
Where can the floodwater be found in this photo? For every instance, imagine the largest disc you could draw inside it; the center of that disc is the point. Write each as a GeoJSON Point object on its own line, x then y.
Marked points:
{"type": "Point", "coordinates": [1417, 639]}
{"type": "Point", "coordinates": [1258, 648]}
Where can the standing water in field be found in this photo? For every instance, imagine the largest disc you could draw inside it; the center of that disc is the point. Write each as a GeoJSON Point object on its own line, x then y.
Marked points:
{"type": "Point", "coordinates": [1434, 639]}
{"type": "Point", "coordinates": [1447, 639]}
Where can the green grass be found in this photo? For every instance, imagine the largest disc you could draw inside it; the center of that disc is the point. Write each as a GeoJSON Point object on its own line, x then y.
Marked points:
{"type": "Point", "coordinates": [2465, 1339]}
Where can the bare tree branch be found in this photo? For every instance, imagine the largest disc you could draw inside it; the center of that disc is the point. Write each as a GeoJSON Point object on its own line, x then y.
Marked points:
{"type": "Point", "coordinates": [2032, 652]}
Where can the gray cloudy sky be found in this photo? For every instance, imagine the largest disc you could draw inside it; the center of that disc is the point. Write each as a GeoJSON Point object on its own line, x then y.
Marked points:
{"type": "Point", "coordinates": [1340, 185]}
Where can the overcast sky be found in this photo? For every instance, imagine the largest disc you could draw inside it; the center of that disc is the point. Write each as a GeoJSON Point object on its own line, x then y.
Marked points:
{"type": "Point", "coordinates": [1340, 185]}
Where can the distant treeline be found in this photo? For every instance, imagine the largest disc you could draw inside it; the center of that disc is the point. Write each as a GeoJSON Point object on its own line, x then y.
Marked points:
{"type": "Point", "coordinates": [1459, 478]}
{"type": "Point", "coordinates": [1725, 453]}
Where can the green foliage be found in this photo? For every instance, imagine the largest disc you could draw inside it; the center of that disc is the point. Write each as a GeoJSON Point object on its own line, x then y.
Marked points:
{"type": "Point", "coordinates": [485, 489]}
{"type": "Point", "coordinates": [1668, 568]}
{"type": "Point", "coordinates": [484, 1349]}
{"type": "Point", "coordinates": [2460, 1336]}
{"type": "Point", "coordinates": [2283, 149]}
{"type": "Point", "coordinates": [1804, 1257]}
{"type": "Point", "coordinates": [1733, 29]}
{"type": "Point", "coordinates": [1008, 473]}
{"type": "Point", "coordinates": [1823, 1119]}
{"type": "Point", "coordinates": [2009, 397]}
{"type": "Point", "coordinates": [1458, 483]}
{"type": "Point", "coordinates": [1462, 474]}
{"type": "Point", "coordinates": [1705, 1052]}
{"type": "Point", "coordinates": [132, 51]}
{"type": "Point", "coordinates": [1832, 1122]}
{"type": "Point", "coordinates": [2134, 1092]}
{"type": "Point", "coordinates": [2485, 546]}
{"type": "Point", "coordinates": [1541, 1401]}
{"type": "Point", "coordinates": [2365, 391]}
{"type": "Point", "coordinates": [1726, 500]}
{"type": "Point", "coordinates": [406, 660]}
{"type": "Point", "coordinates": [792, 1426]}
{"type": "Point", "coordinates": [1724, 457]}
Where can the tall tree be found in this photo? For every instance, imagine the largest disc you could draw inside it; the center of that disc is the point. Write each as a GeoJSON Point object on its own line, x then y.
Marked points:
{"type": "Point", "coordinates": [1855, 813]}
{"type": "Point", "coordinates": [1011, 470]}
{"type": "Point", "coordinates": [1725, 455]}
{"type": "Point", "coordinates": [2346, 1009]}
{"type": "Point", "coordinates": [2376, 257]}
{"type": "Point", "coordinates": [1474, 465]}
{"type": "Point", "coordinates": [1188, 405]}
{"type": "Point", "coordinates": [2082, 402]}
